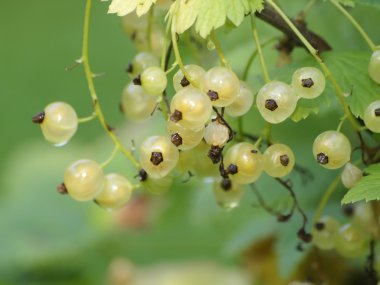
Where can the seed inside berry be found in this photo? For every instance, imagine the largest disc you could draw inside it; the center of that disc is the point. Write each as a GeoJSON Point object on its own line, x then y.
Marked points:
{"type": "Point", "coordinates": [38, 118]}
{"type": "Point", "coordinates": [176, 139]}
{"type": "Point", "coordinates": [213, 95]}
{"type": "Point", "coordinates": [284, 159]}
{"type": "Point", "coordinates": [322, 158]}
{"type": "Point", "coordinates": [307, 83]}
{"type": "Point", "coordinates": [270, 104]}
{"type": "Point", "coordinates": [156, 158]}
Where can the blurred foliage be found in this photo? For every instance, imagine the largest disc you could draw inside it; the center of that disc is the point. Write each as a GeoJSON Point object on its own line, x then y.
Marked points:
{"type": "Point", "coordinates": [48, 239]}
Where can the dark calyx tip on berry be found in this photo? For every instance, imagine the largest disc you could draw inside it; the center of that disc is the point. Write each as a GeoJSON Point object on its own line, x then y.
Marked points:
{"type": "Point", "coordinates": [349, 210]}
{"type": "Point", "coordinates": [284, 160]}
{"type": "Point", "coordinates": [254, 151]}
{"type": "Point", "coordinates": [307, 82]}
{"type": "Point", "coordinates": [142, 175]}
{"type": "Point", "coordinates": [271, 104]}
{"type": "Point", "coordinates": [377, 112]}
{"type": "Point", "coordinates": [226, 184]}
{"type": "Point", "coordinates": [137, 80]}
{"type": "Point", "coordinates": [176, 116]}
{"type": "Point", "coordinates": [319, 226]}
{"type": "Point", "coordinates": [215, 153]}
{"type": "Point", "coordinates": [304, 236]}
{"type": "Point", "coordinates": [129, 68]}
{"type": "Point", "coordinates": [232, 169]}
{"type": "Point", "coordinates": [156, 158]}
{"type": "Point", "coordinates": [38, 118]}
{"type": "Point", "coordinates": [322, 158]}
{"type": "Point", "coordinates": [176, 139]}
{"type": "Point", "coordinates": [61, 188]}
{"type": "Point", "coordinates": [184, 82]}
{"type": "Point", "coordinates": [213, 95]}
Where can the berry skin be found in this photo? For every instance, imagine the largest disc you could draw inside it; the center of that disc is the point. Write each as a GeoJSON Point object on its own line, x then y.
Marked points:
{"type": "Point", "coordinates": [308, 82]}
{"type": "Point", "coordinates": [216, 133]}
{"type": "Point", "coordinates": [276, 101]}
{"type": "Point", "coordinates": [242, 103]}
{"type": "Point", "coordinates": [190, 108]}
{"type": "Point", "coordinates": [221, 85]}
{"type": "Point", "coordinates": [184, 138]}
{"type": "Point", "coordinates": [332, 149]}
{"type": "Point", "coordinates": [136, 104]}
{"type": "Point", "coordinates": [351, 175]}
{"type": "Point", "coordinates": [350, 241]}
{"type": "Point", "coordinates": [374, 66]}
{"type": "Point", "coordinates": [196, 73]}
{"type": "Point", "coordinates": [153, 80]}
{"type": "Point", "coordinates": [157, 186]}
{"type": "Point", "coordinates": [142, 61]}
{"type": "Point", "coordinates": [228, 194]}
{"type": "Point", "coordinates": [278, 160]}
{"type": "Point", "coordinates": [58, 123]}
{"type": "Point", "coordinates": [84, 180]}
{"type": "Point", "coordinates": [116, 192]}
{"type": "Point", "coordinates": [158, 156]}
{"type": "Point", "coordinates": [372, 116]}
{"type": "Point", "coordinates": [324, 231]}
{"type": "Point", "coordinates": [248, 161]}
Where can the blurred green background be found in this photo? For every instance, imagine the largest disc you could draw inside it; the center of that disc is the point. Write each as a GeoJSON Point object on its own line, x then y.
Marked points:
{"type": "Point", "coordinates": [49, 239]}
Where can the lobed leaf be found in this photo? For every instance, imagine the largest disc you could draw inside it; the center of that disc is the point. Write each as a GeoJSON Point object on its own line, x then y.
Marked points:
{"type": "Point", "coordinates": [124, 7]}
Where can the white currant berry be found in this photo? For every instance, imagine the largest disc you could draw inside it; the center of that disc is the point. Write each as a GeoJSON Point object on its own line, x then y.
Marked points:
{"type": "Point", "coordinates": [202, 165]}
{"type": "Point", "coordinates": [184, 138]}
{"type": "Point", "coordinates": [278, 160]}
{"type": "Point", "coordinates": [276, 101]}
{"type": "Point", "coordinates": [157, 186]}
{"type": "Point", "coordinates": [324, 231]}
{"type": "Point", "coordinates": [308, 82]}
{"type": "Point", "coordinates": [372, 116]}
{"type": "Point", "coordinates": [244, 163]}
{"type": "Point", "coordinates": [153, 80]}
{"type": "Point", "coordinates": [350, 241]}
{"type": "Point", "coordinates": [374, 66]}
{"type": "Point", "coordinates": [136, 104]}
{"type": "Point", "coordinates": [227, 193]}
{"type": "Point", "coordinates": [242, 103]}
{"type": "Point", "coordinates": [217, 133]}
{"type": "Point", "coordinates": [58, 123]}
{"type": "Point", "coordinates": [221, 85]}
{"type": "Point", "coordinates": [116, 192]}
{"type": "Point", "coordinates": [351, 175]}
{"type": "Point", "coordinates": [332, 149]}
{"type": "Point", "coordinates": [158, 156]}
{"type": "Point", "coordinates": [142, 61]}
{"type": "Point", "coordinates": [84, 180]}
{"type": "Point", "coordinates": [190, 108]}
{"type": "Point", "coordinates": [196, 73]}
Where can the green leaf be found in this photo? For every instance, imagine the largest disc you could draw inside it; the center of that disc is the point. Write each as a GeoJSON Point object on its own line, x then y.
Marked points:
{"type": "Point", "coordinates": [349, 3]}
{"type": "Point", "coordinates": [211, 14]}
{"type": "Point", "coordinates": [368, 188]}
{"type": "Point", "coordinates": [374, 3]}
{"type": "Point", "coordinates": [124, 7]}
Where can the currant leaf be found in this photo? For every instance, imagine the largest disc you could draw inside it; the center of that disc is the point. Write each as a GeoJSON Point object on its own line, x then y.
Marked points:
{"type": "Point", "coordinates": [211, 14]}
{"type": "Point", "coordinates": [348, 3]}
{"type": "Point", "coordinates": [367, 188]}
{"type": "Point", "coordinates": [374, 3]}
{"type": "Point", "coordinates": [124, 7]}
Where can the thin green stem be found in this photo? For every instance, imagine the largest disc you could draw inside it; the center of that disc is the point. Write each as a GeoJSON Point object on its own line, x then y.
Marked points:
{"type": "Point", "coordinates": [264, 68]}
{"type": "Point", "coordinates": [258, 142]}
{"type": "Point", "coordinates": [219, 50]}
{"type": "Point", "coordinates": [111, 157]}
{"type": "Point", "coordinates": [87, 119]}
{"type": "Point", "coordinates": [91, 86]}
{"type": "Point", "coordinates": [150, 28]}
{"type": "Point", "coordinates": [358, 27]}
{"type": "Point", "coordinates": [338, 90]}
{"type": "Point", "coordinates": [307, 8]}
{"type": "Point", "coordinates": [342, 120]}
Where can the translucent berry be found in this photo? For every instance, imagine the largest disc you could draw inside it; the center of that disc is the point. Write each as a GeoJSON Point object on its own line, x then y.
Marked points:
{"type": "Point", "coordinates": [227, 193]}
{"type": "Point", "coordinates": [332, 149]}
{"type": "Point", "coordinates": [221, 85]}
{"type": "Point", "coordinates": [372, 116]}
{"type": "Point", "coordinates": [276, 101]}
{"type": "Point", "coordinates": [216, 133]}
{"type": "Point", "coordinates": [374, 66]}
{"type": "Point", "coordinates": [196, 73]}
{"type": "Point", "coordinates": [158, 156]}
{"type": "Point", "coordinates": [58, 122]}
{"type": "Point", "coordinates": [116, 193]}
{"type": "Point", "coordinates": [153, 80]}
{"type": "Point", "coordinates": [308, 82]}
{"type": "Point", "coordinates": [246, 159]}
{"type": "Point", "coordinates": [184, 138]}
{"type": "Point", "coordinates": [84, 180]}
{"type": "Point", "coordinates": [350, 241]}
{"type": "Point", "coordinates": [324, 231]}
{"type": "Point", "coordinates": [351, 175]}
{"type": "Point", "coordinates": [157, 186]}
{"type": "Point", "coordinates": [242, 103]}
{"type": "Point", "coordinates": [136, 104]}
{"type": "Point", "coordinates": [278, 160]}
{"type": "Point", "coordinates": [142, 61]}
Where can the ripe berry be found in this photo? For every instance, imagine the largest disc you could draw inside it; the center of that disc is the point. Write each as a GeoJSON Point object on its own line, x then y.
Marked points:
{"type": "Point", "coordinates": [350, 241]}
{"type": "Point", "coordinates": [216, 133]}
{"type": "Point", "coordinates": [308, 82]}
{"type": "Point", "coordinates": [182, 137]}
{"type": "Point", "coordinates": [278, 160]}
{"type": "Point", "coordinates": [153, 80]}
{"type": "Point", "coordinates": [227, 193]}
{"type": "Point", "coordinates": [372, 116]}
{"type": "Point", "coordinates": [242, 103]}
{"type": "Point", "coordinates": [324, 231]}
{"type": "Point", "coordinates": [196, 73]}
{"type": "Point", "coordinates": [351, 175]}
